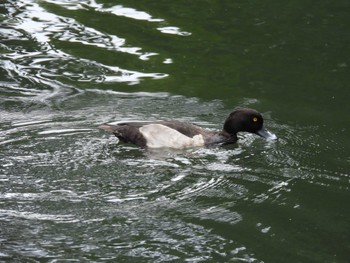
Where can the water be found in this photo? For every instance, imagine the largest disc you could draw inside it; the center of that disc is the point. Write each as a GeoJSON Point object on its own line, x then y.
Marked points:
{"type": "Point", "coordinates": [69, 192]}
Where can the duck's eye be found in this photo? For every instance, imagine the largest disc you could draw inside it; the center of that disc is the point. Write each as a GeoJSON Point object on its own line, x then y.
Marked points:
{"type": "Point", "coordinates": [255, 119]}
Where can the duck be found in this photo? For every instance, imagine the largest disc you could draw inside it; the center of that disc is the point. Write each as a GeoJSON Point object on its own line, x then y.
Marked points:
{"type": "Point", "coordinates": [180, 135]}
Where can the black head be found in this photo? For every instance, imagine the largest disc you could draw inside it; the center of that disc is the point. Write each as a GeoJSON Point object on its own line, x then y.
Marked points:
{"type": "Point", "coordinates": [246, 120]}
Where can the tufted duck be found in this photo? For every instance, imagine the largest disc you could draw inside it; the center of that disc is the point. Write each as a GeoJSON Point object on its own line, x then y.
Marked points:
{"type": "Point", "coordinates": [179, 135]}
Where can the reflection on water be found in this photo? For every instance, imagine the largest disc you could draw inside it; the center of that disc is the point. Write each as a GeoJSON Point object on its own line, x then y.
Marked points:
{"type": "Point", "coordinates": [72, 192]}
{"type": "Point", "coordinates": [47, 66]}
{"type": "Point", "coordinates": [118, 10]}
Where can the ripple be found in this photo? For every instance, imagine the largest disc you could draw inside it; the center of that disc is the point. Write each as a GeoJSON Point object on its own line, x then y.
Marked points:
{"type": "Point", "coordinates": [173, 30]}
{"type": "Point", "coordinates": [152, 200]}
{"type": "Point", "coordinates": [118, 10]}
{"type": "Point", "coordinates": [273, 192]}
{"type": "Point", "coordinates": [120, 200]}
{"type": "Point", "coordinates": [216, 213]}
{"type": "Point", "coordinates": [49, 62]}
{"type": "Point", "coordinates": [54, 195]}
{"type": "Point", "coordinates": [64, 131]}
{"type": "Point", "coordinates": [78, 33]}
{"type": "Point", "coordinates": [224, 167]}
{"type": "Point", "coordinates": [7, 214]}
{"type": "Point", "coordinates": [28, 123]}
{"type": "Point", "coordinates": [198, 187]}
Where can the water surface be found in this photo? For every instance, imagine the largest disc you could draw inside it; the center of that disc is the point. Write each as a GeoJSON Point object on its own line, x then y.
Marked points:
{"type": "Point", "coordinates": [69, 192]}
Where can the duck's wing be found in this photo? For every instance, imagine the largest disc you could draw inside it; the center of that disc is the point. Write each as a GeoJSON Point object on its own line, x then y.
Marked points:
{"type": "Point", "coordinates": [187, 129]}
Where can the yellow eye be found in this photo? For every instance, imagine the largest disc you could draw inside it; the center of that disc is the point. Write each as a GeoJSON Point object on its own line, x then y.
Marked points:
{"type": "Point", "coordinates": [255, 119]}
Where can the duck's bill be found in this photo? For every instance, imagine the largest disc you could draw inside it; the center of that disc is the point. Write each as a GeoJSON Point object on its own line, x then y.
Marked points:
{"type": "Point", "coordinates": [266, 134]}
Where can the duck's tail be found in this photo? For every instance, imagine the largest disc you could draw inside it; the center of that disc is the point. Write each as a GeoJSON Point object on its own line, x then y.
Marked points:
{"type": "Point", "coordinates": [108, 127]}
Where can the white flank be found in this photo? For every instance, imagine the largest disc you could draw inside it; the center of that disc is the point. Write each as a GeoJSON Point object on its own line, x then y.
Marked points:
{"type": "Point", "coordinates": [160, 136]}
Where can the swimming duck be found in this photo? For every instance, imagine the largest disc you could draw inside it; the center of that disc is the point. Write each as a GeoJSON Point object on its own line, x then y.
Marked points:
{"type": "Point", "coordinates": [180, 135]}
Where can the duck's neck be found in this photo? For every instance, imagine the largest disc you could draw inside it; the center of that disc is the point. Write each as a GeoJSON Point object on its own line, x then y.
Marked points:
{"type": "Point", "coordinates": [229, 137]}
{"type": "Point", "coordinates": [221, 137]}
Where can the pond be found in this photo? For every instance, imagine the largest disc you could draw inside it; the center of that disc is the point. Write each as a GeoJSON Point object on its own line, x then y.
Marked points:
{"type": "Point", "coordinates": [71, 192]}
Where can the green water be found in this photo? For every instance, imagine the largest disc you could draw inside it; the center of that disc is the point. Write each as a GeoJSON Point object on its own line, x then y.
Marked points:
{"type": "Point", "coordinates": [69, 192]}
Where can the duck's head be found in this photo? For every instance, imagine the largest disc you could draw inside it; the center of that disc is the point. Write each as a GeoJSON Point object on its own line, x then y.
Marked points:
{"type": "Point", "coordinates": [247, 120]}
